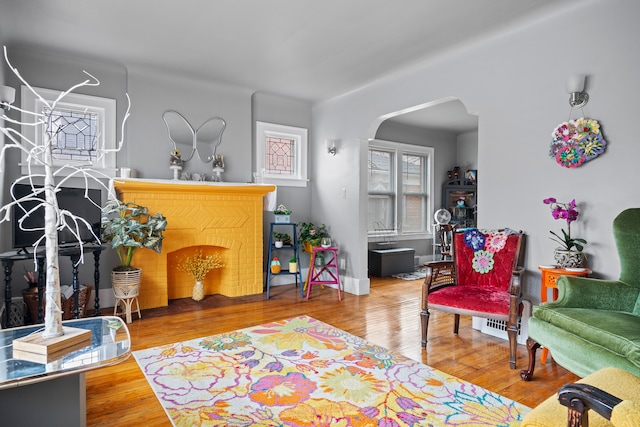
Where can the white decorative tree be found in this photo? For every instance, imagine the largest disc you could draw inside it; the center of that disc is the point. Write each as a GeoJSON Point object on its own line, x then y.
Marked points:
{"type": "Point", "coordinates": [53, 178]}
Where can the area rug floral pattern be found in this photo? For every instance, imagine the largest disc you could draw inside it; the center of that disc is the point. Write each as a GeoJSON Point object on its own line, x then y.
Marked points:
{"type": "Point", "coordinates": [302, 372]}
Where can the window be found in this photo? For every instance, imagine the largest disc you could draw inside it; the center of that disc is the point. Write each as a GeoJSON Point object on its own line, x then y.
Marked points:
{"type": "Point", "coordinates": [400, 188]}
{"type": "Point", "coordinates": [281, 154]}
{"type": "Point", "coordinates": [81, 128]}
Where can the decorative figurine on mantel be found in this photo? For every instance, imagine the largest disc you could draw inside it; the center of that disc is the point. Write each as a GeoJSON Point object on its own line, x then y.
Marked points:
{"type": "Point", "coordinates": [218, 167]}
{"type": "Point", "coordinates": [175, 163]}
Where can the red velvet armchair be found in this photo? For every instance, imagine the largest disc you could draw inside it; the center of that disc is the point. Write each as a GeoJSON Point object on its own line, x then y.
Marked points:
{"type": "Point", "coordinates": [482, 280]}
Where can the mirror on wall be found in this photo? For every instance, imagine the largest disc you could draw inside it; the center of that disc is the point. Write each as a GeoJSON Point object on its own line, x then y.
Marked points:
{"type": "Point", "coordinates": [204, 140]}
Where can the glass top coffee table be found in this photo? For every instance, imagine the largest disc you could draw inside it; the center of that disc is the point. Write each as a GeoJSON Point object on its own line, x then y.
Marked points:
{"type": "Point", "coordinates": [110, 344]}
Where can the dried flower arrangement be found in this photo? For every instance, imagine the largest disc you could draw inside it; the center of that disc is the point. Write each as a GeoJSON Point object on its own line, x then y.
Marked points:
{"type": "Point", "coordinates": [198, 266]}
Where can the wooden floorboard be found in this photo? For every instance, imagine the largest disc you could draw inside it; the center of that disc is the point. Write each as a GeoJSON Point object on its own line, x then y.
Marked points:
{"type": "Point", "coordinates": [389, 316]}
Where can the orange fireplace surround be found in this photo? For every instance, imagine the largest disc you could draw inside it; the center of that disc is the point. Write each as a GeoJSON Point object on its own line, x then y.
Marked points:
{"type": "Point", "coordinates": [214, 217]}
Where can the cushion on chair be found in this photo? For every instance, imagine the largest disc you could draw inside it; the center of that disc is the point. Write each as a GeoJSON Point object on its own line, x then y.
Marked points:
{"type": "Point", "coordinates": [615, 330]}
{"type": "Point", "coordinates": [504, 262]}
{"type": "Point", "coordinates": [615, 381]}
{"type": "Point", "coordinates": [472, 298]}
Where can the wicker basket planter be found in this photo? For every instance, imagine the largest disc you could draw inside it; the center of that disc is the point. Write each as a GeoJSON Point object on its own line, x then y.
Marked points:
{"type": "Point", "coordinates": [126, 288]}
{"type": "Point", "coordinates": [126, 278]}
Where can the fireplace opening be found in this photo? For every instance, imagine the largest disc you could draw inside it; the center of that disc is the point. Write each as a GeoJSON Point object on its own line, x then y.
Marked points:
{"type": "Point", "coordinates": [180, 283]}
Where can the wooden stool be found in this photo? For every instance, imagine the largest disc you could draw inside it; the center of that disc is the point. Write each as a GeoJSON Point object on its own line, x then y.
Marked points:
{"type": "Point", "coordinates": [125, 295]}
{"type": "Point", "coordinates": [328, 268]}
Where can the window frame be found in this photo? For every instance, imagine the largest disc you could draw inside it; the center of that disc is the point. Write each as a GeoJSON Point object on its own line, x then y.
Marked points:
{"type": "Point", "coordinates": [105, 108]}
{"type": "Point", "coordinates": [265, 130]}
{"type": "Point", "coordinates": [398, 151]}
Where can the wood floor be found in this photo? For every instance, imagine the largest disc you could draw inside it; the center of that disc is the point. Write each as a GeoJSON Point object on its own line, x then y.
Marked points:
{"type": "Point", "coordinates": [388, 316]}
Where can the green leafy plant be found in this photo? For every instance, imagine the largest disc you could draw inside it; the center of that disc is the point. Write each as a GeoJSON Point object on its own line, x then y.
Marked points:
{"type": "Point", "coordinates": [283, 237]}
{"type": "Point", "coordinates": [282, 210]}
{"type": "Point", "coordinates": [293, 259]}
{"type": "Point", "coordinates": [311, 234]}
{"type": "Point", "coordinates": [128, 226]}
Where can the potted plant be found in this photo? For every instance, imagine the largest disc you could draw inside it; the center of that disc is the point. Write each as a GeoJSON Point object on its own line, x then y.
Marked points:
{"type": "Point", "coordinates": [293, 265]}
{"type": "Point", "coordinates": [566, 255]}
{"type": "Point", "coordinates": [282, 214]}
{"type": "Point", "coordinates": [310, 235]}
{"type": "Point", "coordinates": [283, 238]}
{"type": "Point", "coordinates": [127, 227]}
{"type": "Point", "coordinates": [198, 266]}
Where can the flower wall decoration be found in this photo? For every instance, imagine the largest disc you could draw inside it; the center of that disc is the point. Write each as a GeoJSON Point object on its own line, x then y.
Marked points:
{"type": "Point", "coordinates": [576, 142]}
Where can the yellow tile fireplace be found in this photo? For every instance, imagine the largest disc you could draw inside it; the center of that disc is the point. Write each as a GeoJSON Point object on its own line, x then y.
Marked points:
{"type": "Point", "coordinates": [214, 217]}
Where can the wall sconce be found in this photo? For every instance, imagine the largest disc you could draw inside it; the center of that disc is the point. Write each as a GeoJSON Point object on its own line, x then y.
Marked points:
{"type": "Point", "coordinates": [575, 86]}
{"type": "Point", "coordinates": [7, 97]}
{"type": "Point", "coordinates": [331, 146]}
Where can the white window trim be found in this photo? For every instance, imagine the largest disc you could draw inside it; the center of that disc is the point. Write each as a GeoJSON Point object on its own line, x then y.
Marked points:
{"type": "Point", "coordinates": [399, 149]}
{"type": "Point", "coordinates": [104, 107]}
{"type": "Point", "coordinates": [264, 130]}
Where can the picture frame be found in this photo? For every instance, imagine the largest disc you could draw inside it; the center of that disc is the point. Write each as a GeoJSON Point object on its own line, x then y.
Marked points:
{"type": "Point", "coordinates": [472, 175]}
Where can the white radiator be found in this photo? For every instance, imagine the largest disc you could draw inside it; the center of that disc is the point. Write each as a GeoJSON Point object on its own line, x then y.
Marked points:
{"type": "Point", "coordinates": [498, 328]}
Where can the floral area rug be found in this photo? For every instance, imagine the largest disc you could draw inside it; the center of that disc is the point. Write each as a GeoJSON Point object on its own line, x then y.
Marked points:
{"type": "Point", "coordinates": [302, 372]}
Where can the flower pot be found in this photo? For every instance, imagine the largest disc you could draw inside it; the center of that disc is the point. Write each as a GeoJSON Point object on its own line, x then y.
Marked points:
{"type": "Point", "coordinates": [293, 267]}
{"type": "Point", "coordinates": [568, 259]}
{"type": "Point", "coordinates": [283, 219]}
{"type": "Point", "coordinates": [126, 277]}
{"type": "Point", "coordinates": [278, 244]}
{"type": "Point", "coordinates": [198, 291]}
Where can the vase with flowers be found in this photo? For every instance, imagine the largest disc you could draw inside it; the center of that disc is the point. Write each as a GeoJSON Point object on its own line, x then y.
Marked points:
{"type": "Point", "coordinates": [569, 254]}
{"type": "Point", "coordinates": [198, 266]}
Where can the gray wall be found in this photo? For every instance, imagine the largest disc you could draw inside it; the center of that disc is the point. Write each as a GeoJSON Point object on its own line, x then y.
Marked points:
{"type": "Point", "coordinates": [515, 83]}
{"type": "Point", "coordinates": [286, 111]}
{"type": "Point", "coordinates": [147, 145]}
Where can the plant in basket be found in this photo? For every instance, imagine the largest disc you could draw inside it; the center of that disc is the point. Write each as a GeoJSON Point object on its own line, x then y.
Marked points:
{"type": "Point", "coordinates": [127, 227]}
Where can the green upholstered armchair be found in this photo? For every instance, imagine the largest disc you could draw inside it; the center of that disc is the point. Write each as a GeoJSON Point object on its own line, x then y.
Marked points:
{"type": "Point", "coordinates": [594, 323]}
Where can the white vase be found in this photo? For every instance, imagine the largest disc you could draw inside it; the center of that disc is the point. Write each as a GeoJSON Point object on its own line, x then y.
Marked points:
{"type": "Point", "coordinates": [198, 291]}
{"type": "Point", "coordinates": [568, 259]}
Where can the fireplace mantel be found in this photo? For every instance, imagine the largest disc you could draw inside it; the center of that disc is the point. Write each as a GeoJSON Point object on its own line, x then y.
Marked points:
{"type": "Point", "coordinates": [227, 216]}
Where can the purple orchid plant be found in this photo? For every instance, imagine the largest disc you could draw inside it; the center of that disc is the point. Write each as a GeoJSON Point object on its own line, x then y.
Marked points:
{"type": "Point", "coordinates": [569, 213]}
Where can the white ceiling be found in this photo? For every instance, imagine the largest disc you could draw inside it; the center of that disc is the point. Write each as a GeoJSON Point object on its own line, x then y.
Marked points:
{"type": "Point", "coordinates": [305, 49]}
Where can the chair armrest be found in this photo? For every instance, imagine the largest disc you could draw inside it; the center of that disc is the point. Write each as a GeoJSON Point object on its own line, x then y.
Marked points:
{"type": "Point", "coordinates": [579, 398]}
{"type": "Point", "coordinates": [516, 280]}
{"type": "Point", "coordinates": [439, 274]}
{"type": "Point", "coordinates": [584, 292]}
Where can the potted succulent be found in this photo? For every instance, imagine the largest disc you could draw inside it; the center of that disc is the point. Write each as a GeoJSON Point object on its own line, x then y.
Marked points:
{"type": "Point", "coordinates": [293, 265]}
{"type": "Point", "coordinates": [310, 235]}
{"type": "Point", "coordinates": [127, 227]}
{"type": "Point", "coordinates": [282, 214]}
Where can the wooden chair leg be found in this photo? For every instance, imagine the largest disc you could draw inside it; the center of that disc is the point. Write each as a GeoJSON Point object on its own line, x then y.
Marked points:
{"type": "Point", "coordinates": [532, 346]}
{"type": "Point", "coordinates": [512, 333]}
{"type": "Point", "coordinates": [456, 323]}
{"type": "Point", "coordinates": [424, 323]}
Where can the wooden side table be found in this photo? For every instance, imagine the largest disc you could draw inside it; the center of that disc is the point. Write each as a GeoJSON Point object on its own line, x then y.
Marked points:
{"type": "Point", "coordinates": [550, 275]}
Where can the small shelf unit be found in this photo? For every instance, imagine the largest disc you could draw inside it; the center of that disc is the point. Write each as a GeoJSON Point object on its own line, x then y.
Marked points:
{"type": "Point", "coordinates": [288, 251]}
